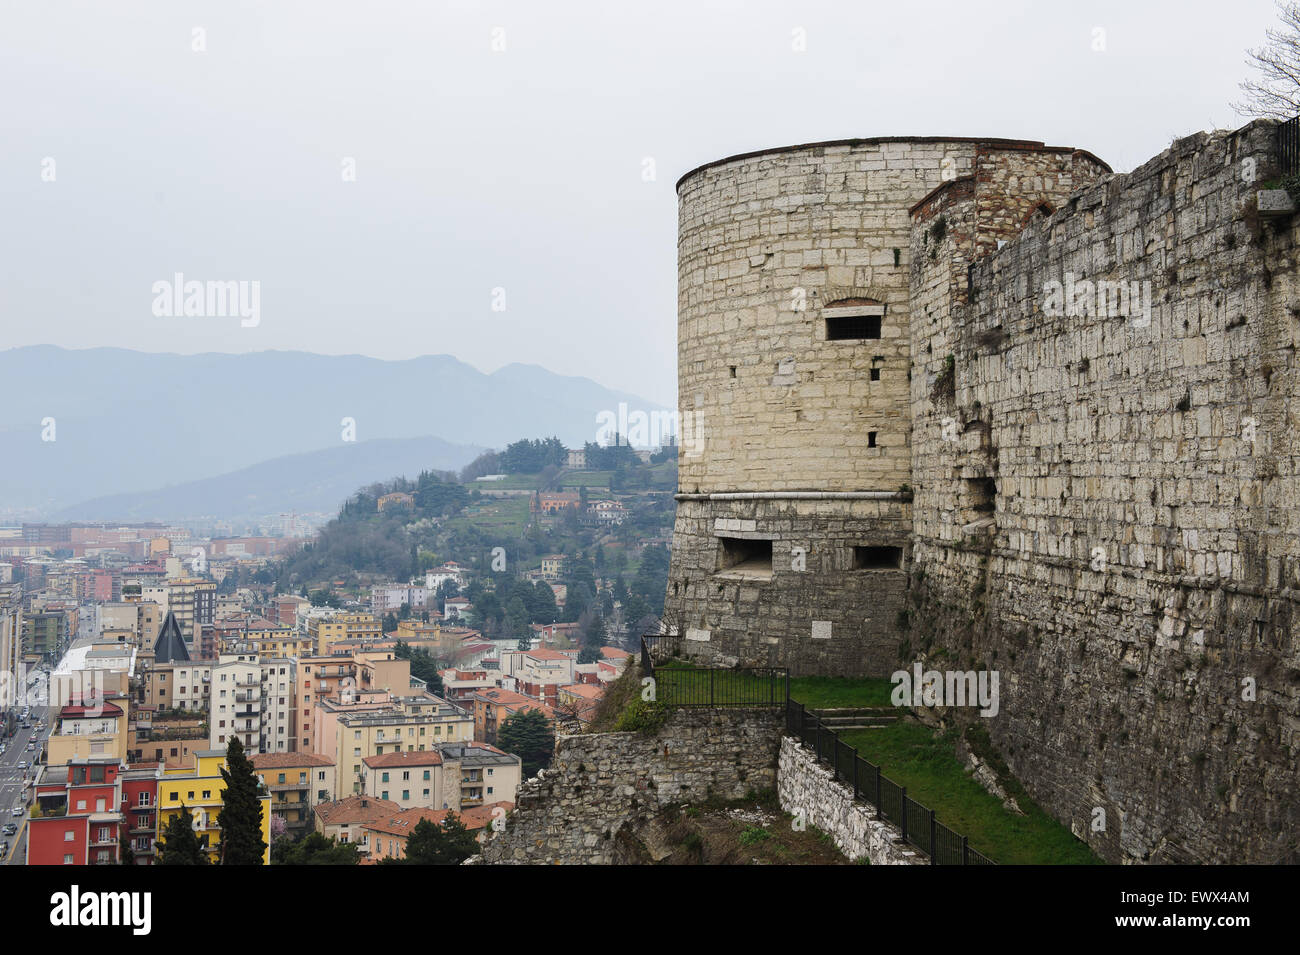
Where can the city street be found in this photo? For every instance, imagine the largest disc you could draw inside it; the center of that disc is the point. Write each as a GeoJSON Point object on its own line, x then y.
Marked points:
{"type": "Point", "coordinates": [13, 794]}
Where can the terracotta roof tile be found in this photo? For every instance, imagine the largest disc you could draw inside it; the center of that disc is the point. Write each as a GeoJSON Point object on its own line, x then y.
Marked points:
{"type": "Point", "coordinates": [289, 760]}
{"type": "Point", "coordinates": [355, 809]}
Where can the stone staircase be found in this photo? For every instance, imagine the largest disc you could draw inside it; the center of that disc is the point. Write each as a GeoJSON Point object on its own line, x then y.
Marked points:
{"type": "Point", "coordinates": [844, 718]}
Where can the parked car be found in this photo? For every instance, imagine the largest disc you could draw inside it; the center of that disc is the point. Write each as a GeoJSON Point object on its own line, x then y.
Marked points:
{"type": "Point", "coordinates": [10, 829]}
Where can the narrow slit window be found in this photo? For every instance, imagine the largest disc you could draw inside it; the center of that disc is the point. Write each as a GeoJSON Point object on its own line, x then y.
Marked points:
{"type": "Point", "coordinates": [871, 439]}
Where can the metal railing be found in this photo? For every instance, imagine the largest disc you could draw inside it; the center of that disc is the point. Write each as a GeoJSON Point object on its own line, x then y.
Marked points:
{"type": "Point", "coordinates": [770, 686]}
{"type": "Point", "coordinates": [688, 685]}
{"type": "Point", "coordinates": [918, 824]}
{"type": "Point", "coordinates": [658, 648]}
{"type": "Point", "coordinates": [1288, 146]}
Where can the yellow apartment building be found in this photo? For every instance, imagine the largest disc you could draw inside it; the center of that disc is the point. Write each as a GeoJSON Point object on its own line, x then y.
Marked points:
{"type": "Point", "coordinates": [297, 782]}
{"type": "Point", "coordinates": [199, 789]}
{"type": "Point", "coordinates": [325, 630]}
{"type": "Point", "coordinates": [85, 731]}
{"type": "Point", "coordinates": [357, 735]}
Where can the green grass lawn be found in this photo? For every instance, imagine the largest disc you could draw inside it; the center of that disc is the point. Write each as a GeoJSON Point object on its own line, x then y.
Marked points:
{"type": "Point", "coordinates": [914, 756]}
{"type": "Point", "coordinates": [587, 479]}
{"type": "Point", "coordinates": [507, 514]}
{"type": "Point", "coordinates": [907, 752]}
{"type": "Point", "coordinates": [684, 684]}
{"type": "Point", "coordinates": [816, 692]}
{"type": "Point", "coordinates": [742, 686]}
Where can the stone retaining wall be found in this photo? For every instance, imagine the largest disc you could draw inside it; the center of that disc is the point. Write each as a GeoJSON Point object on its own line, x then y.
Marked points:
{"type": "Point", "coordinates": [808, 787]}
{"type": "Point", "coordinates": [597, 782]}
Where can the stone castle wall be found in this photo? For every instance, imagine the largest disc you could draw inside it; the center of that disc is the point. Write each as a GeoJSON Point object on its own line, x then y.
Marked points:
{"type": "Point", "coordinates": [827, 617]}
{"type": "Point", "coordinates": [572, 812]}
{"type": "Point", "coordinates": [794, 437]}
{"type": "Point", "coordinates": [1105, 496]}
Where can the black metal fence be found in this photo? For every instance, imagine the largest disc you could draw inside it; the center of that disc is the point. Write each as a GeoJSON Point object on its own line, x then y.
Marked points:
{"type": "Point", "coordinates": [743, 686]}
{"type": "Point", "coordinates": [891, 801]}
{"type": "Point", "coordinates": [687, 685]}
{"type": "Point", "coordinates": [1288, 146]}
{"type": "Point", "coordinates": [658, 648]}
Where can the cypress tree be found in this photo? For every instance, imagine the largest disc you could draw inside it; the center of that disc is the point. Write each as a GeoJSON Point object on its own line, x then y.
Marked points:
{"type": "Point", "coordinates": [240, 818]}
{"type": "Point", "coordinates": [179, 845]}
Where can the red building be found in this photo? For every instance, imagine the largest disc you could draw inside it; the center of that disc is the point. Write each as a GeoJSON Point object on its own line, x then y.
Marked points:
{"type": "Point", "coordinates": [97, 585]}
{"type": "Point", "coordinates": [140, 810]}
{"type": "Point", "coordinates": [76, 816]}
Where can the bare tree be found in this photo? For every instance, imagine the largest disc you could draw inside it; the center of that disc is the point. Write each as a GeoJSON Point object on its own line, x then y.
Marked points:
{"type": "Point", "coordinates": [1275, 93]}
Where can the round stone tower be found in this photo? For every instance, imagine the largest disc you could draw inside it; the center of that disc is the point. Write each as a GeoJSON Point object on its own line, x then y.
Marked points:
{"type": "Point", "coordinates": [793, 525]}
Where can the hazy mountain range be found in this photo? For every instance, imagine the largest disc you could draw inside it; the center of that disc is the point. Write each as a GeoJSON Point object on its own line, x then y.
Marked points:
{"type": "Point", "coordinates": [312, 481]}
{"type": "Point", "coordinates": [142, 435]}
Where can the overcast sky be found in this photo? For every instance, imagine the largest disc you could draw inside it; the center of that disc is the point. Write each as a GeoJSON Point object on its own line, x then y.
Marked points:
{"type": "Point", "coordinates": [520, 169]}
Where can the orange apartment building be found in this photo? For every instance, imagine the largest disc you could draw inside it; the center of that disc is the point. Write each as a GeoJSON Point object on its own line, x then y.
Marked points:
{"type": "Point", "coordinates": [491, 708]}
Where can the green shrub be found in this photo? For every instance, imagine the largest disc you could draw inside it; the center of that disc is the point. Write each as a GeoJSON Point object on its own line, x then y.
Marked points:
{"type": "Point", "coordinates": [641, 716]}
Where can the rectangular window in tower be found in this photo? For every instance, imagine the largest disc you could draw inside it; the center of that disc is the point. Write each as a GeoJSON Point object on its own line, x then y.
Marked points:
{"type": "Point", "coordinates": [853, 320]}
{"type": "Point", "coordinates": [741, 555]}
{"type": "Point", "coordinates": [875, 374]}
{"type": "Point", "coordinates": [852, 328]}
{"type": "Point", "coordinates": [877, 558]}
{"type": "Point", "coordinates": [871, 439]}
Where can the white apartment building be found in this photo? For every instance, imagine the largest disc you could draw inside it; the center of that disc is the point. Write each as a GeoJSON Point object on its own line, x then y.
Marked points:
{"type": "Point", "coordinates": [236, 703]}
{"type": "Point", "coordinates": [277, 705]}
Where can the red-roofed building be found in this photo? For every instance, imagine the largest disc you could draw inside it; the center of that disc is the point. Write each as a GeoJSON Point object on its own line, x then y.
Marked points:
{"type": "Point", "coordinates": [493, 707]}
{"type": "Point", "coordinates": [346, 819]}
{"type": "Point", "coordinates": [612, 664]}
{"type": "Point", "coordinates": [298, 782]}
{"type": "Point", "coordinates": [554, 503]}
{"type": "Point", "coordinates": [387, 838]}
{"type": "Point", "coordinates": [94, 730]}
{"type": "Point", "coordinates": [541, 673]}
{"type": "Point", "coordinates": [450, 776]}
{"type": "Point", "coordinates": [461, 683]}
{"type": "Point", "coordinates": [549, 633]}
{"type": "Point", "coordinates": [455, 607]}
